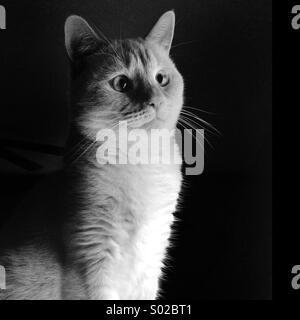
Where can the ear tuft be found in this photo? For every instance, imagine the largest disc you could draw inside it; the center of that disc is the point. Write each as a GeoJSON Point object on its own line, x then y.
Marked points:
{"type": "Point", "coordinates": [163, 31]}
{"type": "Point", "coordinates": [80, 38]}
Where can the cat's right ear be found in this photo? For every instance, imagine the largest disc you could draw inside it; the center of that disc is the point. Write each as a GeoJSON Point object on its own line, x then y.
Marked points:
{"type": "Point", "coordinates": [80, 38]}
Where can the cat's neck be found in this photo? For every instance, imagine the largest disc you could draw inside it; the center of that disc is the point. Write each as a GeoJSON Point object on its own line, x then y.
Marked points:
{"type": "Point", "coordinates": [81, 149]}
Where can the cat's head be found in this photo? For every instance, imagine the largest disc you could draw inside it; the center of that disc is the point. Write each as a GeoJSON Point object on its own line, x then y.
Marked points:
{"type": "Point", "coordinates": [131, 79]}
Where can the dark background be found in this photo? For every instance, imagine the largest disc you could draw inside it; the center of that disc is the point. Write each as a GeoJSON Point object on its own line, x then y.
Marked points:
{"type": "Point", "coordinates": [223, 248]}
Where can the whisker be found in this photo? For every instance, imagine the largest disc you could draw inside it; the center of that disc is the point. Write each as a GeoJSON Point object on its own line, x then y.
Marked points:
{"type": "Point", "coordinates": [184, 43]}
{"type": "Point", "coordinates": [199, 123]}
{"type": "Point", "coordinates": [77, 146]}
{"type": "Point", "coordinates": [198, 109]}
{"type": "Point", "coordinates": [85, 144]}
{"type": "Point", "coordinates": [193, 136]}
{"type": "Point", "coordinates": [107, 41]}
{"type": "Point", "coordinates": [77, 149]}
{"type": "Point", "coordinates": [191, 133]}
{"type": "Point", "coordinates": [187, 121]}
{"type": "Point", "coordinates": [84, 152]}
{"type": "Point", "coordinates": [202, 121]}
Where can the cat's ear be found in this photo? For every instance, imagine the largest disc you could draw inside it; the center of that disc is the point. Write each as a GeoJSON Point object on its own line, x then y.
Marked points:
{"type": "Point", "coordinates": [80, 38]}
{"type": "Point", "coordinates": [163, 31]}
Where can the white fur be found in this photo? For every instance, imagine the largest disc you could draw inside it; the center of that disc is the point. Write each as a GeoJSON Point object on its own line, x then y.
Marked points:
{"type": "Point", "coordinates": [128, 231]}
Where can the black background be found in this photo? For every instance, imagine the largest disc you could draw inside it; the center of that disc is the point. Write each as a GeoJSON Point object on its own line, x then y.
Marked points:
{"type": "Point", "coordinates": [286, 49]}
{"type": "Point", "coordinates": [223, 248]}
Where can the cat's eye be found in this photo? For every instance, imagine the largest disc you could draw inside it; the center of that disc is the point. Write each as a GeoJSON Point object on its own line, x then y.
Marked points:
{"type": "Point", "coordinates": [162, 78]}
{"type": "Point", "coordinates": [121, 83]}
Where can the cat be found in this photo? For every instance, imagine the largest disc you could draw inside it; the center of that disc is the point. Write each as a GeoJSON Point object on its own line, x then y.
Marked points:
{"type": "Point", "coordinates": [101, 231]}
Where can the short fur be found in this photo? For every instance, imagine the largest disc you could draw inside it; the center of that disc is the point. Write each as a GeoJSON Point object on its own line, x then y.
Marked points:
{"type": "Point", "coordinates": [101, 231]}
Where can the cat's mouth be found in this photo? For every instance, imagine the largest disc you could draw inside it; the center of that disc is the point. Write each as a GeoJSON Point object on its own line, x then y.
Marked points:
{"type": "Point", "coordinates": [138, 119]}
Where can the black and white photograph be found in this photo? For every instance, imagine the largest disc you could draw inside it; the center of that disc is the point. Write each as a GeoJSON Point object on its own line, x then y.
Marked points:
{"type": "Point", "coordinates": [136, 152]}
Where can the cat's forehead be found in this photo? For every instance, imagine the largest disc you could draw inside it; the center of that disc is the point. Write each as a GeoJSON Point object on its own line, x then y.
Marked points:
{"type": "Point", "coordinates": [136, 54]}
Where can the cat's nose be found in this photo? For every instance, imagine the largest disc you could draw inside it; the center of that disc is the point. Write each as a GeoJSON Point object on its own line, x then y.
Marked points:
{"type": "Point", "coordinates": [154, 103]}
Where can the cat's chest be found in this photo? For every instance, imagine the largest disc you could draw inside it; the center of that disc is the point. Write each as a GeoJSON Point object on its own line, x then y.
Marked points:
{"type": "Point", "coordinates": [140, 260]}
{"type": "Point", "coordinates": [146, 228]}
{"type": "Point", "coordinates": [150, 201]}
{"type": "Point", "coordinates": [152, 191]}
{"type": "Point", "coordinates": [139, 226]}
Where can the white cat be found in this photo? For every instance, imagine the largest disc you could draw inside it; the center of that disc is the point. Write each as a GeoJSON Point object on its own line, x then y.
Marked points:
{"type": "Point", "coordinates": [101, 231]}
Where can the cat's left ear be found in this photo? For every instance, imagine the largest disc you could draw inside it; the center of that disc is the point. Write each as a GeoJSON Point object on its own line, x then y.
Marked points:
{"type": "Point", "coordinates": [163, 31]}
